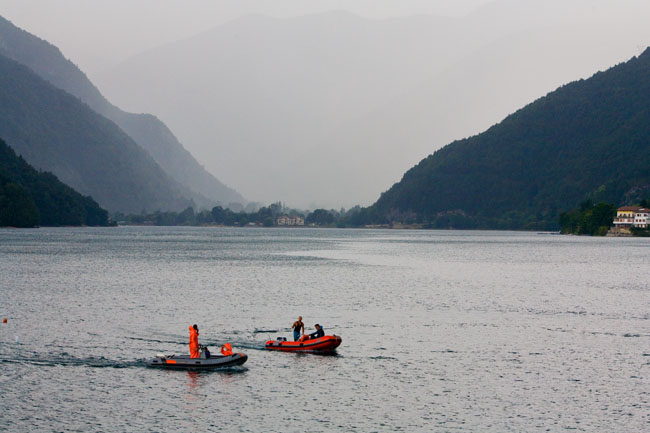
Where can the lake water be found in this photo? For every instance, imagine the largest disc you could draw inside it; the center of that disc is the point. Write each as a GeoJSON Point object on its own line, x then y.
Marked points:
{"type": "Point", "coordinates": [442, 330]}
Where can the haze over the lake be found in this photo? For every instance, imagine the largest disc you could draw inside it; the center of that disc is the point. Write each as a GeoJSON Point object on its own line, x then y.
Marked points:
{"type": "Point", "coordinates": [328, 103]}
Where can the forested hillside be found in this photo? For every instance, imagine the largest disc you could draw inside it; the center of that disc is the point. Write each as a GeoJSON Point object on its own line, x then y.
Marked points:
{"type": "Point", "coordinates": [146, 130]}
{"type": "Point", "coordinates": [29, 198]}
{"type": "Point", "coordinates": [587, 140]}
{"type": "Point", "coordinates": [56, 132]}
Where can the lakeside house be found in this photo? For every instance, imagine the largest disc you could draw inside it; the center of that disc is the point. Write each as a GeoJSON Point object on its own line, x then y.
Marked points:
{"type": "Point", "coordinates": [632, 216]}
{"type": "Point", "coordinates": [286, 220]}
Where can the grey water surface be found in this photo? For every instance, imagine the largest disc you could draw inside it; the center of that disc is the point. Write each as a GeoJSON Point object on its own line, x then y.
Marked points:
{"type": "Point", "coordinates": [442, 330]}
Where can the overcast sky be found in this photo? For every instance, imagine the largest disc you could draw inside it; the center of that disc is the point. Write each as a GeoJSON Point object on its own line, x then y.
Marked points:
{"type": "Point", "coordinates": [98, 34]}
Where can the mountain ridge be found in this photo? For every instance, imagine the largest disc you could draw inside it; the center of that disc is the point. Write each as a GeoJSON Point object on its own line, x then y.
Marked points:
{"type": "Point", "coordinates": [145, 129]}
{"type": "Point", "coordinates": [54, 131]}
{"type": "Point", "coordinates": [589, 139]}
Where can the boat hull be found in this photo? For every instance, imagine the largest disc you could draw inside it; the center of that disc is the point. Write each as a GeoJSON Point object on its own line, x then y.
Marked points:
{"type": "Point", "coordinates": [184, 362]}
{"type": "Point", "coordinates": [325, 344]}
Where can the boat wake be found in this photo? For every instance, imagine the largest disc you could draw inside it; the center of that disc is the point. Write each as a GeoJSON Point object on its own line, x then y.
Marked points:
{"type": "Point", "coordinates": [65, 359]}
{"type": "Point", "coordinates": [268, 331]}
{"type": "Point", "coordinates": [153, 340]}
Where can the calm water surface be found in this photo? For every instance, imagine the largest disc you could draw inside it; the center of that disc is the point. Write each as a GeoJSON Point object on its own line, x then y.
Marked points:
{"type": "Point", "coordinates": [442, 331]}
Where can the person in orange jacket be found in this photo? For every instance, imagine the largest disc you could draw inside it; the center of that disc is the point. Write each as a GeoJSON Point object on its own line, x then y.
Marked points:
{"type": "Point", "coordinates": [194, 342]}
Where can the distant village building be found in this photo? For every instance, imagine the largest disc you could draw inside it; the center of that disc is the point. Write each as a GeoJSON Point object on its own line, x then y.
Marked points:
{"type": "Point", "coordinates": [632, 216]}
{"type": "Point", "coordinates": [286, 220]}
{"type": "Point", "coordinates": [641, 218]}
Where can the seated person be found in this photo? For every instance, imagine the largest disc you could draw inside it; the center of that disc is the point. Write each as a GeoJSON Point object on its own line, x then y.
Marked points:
{"type": "Point", "coordinates": [320, 332]}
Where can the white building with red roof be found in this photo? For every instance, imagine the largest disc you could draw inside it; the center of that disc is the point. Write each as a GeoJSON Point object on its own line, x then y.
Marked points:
{"type": "Point", "coordinates": [632, 216]}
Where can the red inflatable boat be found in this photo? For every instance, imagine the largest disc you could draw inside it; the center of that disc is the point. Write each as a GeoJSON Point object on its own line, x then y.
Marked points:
{"type": "Point", "coordinates": [324, 344]}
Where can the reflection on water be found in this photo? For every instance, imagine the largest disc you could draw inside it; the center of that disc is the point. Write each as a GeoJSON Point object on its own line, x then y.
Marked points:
{"type": "Point", "coordinates": [192, 383]}
{"type": "Point", "coordinates": [442, 331]}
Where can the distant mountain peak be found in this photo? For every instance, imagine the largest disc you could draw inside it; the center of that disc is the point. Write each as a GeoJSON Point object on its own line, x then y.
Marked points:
{"type": "Point", "coordinates": [147, 131]}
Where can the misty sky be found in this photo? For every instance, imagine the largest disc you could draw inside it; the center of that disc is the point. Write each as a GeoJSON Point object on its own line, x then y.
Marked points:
{"type": "Point", "coordinates": [316, 108]}
{"type": "Point", "coordinates": [114, 30]}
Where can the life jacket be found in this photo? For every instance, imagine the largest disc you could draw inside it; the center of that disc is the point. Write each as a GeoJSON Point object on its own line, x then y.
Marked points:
{"type": "Point", "coordinates": [226, 349]}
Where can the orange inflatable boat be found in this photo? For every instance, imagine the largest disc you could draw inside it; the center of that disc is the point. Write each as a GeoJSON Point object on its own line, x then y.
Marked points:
{"type": "Point", "coordinates": [324, 344]}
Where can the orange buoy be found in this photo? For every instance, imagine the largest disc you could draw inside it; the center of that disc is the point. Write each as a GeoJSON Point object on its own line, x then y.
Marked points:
{"type": "Point", "coordinates": [4, 320]}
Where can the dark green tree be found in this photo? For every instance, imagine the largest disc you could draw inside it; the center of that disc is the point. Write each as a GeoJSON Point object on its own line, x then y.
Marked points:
{"type": "Point", "coordinates": [597, 220]}
{"type": "Point", "coordinates": [588, 219]}
{"type": "Point", "coordinates": [320, 217]}
{"type": "Point", "coordinates": [17, 209]}
{"type": "Point", "coordinates": [57, 203]}
{"type": "Point", "coordinates": [186, 217]}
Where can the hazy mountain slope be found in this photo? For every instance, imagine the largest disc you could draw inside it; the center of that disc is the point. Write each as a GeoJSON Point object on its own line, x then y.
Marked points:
{"type": "Point", "coordinates": [260, 89]}
{"type": "Point", "coordinates": [56, 132]}
{"type": "Point", "coordinates": [458, 102]}
{"type": "Point", "coordinates": [29, 197]}
{"type": "Point", "coordinates": [154, 136]}
{"type": "Point", "coordinates": [332, 108]}
{"type": "Point", "coordinates": [588, 139]}
{"type": "Point", "coordinates": [147, 131]}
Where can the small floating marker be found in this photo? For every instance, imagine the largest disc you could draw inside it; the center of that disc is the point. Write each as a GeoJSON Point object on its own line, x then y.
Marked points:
{"type": "Point", "coordinates": [17, 340]}
{"type": "Point", "coordinates": [4, 320]}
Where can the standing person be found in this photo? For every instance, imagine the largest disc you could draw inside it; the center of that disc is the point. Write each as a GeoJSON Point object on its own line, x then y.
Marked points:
{"type": "Point", "coordinates": [194, 341]}
{"type": "Point", "coordinates": [298, 329]}
{"type": "Point", "coordinates": [320, 332]}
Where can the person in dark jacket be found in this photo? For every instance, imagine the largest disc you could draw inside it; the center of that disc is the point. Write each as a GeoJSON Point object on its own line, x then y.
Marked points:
{"type": "Point", "coordinates": [320, 332]}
